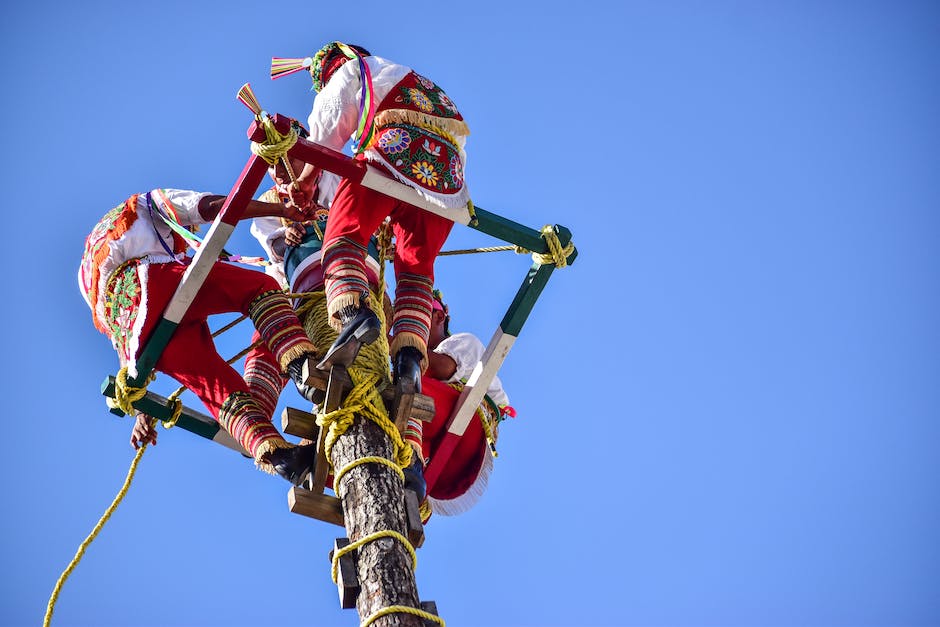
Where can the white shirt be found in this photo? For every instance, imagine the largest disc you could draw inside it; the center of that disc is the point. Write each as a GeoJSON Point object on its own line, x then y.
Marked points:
{"type": "Point", "coordinates": [467, 350]}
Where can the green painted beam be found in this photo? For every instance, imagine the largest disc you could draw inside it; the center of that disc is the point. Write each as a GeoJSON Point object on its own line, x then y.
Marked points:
{"type": "Point", "coordinates": [151, 353]}
{"type": "Point", "coordinates": [158, 407]}
{"type": "Point", "coordinates": [530, 290]}
{"type": "Point", "coordinates": [514, 233]}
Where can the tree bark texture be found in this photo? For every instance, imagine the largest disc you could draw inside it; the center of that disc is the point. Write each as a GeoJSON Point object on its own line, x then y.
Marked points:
{"type": "Point", "coordinates": [373, 500]}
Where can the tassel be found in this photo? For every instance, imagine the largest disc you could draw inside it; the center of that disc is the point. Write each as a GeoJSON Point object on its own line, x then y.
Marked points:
{"type": "Point", "coordinates": [247, 97]}
{"type": "Point", "coordinates": [283, 66]}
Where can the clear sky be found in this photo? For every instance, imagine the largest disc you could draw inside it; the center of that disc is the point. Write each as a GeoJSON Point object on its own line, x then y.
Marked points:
{"type": "Point", "coordinates": [728, 406]}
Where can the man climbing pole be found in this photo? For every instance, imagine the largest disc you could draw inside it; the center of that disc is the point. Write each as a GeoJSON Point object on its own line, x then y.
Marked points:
{"type": "Point", "coordinates": [294, 251]}
{"type": "Point", "coordinates": [132, 264]}
{"type": "Point", "coordinates": [408, 127]}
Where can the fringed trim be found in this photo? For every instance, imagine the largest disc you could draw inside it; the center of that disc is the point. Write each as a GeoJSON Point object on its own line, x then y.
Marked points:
{"type": "Point", "coordinates": [292, 353]}
{"type": "Point", "coordinates": [269, 446]}
{"type": "Point", "coordinates": [464, 502]}
{"type": "Point", "coordinates": [343, 300]}
{"type": "Point", "coordinates": [448, 127]}
{"type": "Point", "coordinates": [401, 340]}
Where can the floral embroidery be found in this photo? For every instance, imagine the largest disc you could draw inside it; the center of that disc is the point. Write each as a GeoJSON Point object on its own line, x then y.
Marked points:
{"type": "Point", "coordinates": [446, 102]}
{"type": "Point", "coordinates": [394, 140]}
{"type": "Point", "coordinates": [425, 82]}
{"type": "Point", "coordinates": [419, 99]}
{"type": "Point", "coordinates": [122, 300]}
{"type": "Point", "coordinates": [433, 149]}
{"type": "Point", "coordinates": [456, 171]}
{"type": "Point", "coordinates": [415, 92]}
{"type": "Point", "coordinates": [429, 160]}
{"type": "Point", "coordinates": [425, 173]}
{"type": "Point", "coordinates": [96, 239]}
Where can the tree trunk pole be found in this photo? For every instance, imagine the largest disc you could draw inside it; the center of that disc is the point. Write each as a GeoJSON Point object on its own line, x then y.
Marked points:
{"type": "Point", "coordinates": [373, 501]}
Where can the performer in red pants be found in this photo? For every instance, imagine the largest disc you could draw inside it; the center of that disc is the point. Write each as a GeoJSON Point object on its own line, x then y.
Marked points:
{"type": "Point", "coordinates": [414, 134]}
{"type": "Point", "coordinates": [134, 261]}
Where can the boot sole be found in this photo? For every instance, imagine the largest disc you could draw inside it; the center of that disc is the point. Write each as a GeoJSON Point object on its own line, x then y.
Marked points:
{"type": "Point", "coordinates": [346, 354]}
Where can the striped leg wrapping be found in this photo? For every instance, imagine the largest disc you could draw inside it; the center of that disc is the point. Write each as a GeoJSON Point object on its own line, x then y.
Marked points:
{"type": "Point", "coordinates": [264, 384]}
{"type": "Point", "coordinates": [245, 421]}
{"type": "Point", "coordinates": [412, 323]}
{"type": "Point", "coordinates": [414, 435]}
{"type": "Point", "coordinates": [344, 274]}
{"type": "Point", "coordinates": [279, 327]}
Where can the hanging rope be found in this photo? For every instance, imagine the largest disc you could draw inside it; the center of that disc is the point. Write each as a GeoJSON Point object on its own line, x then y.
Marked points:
{"type": "Point", "coordinates": [94, 532]}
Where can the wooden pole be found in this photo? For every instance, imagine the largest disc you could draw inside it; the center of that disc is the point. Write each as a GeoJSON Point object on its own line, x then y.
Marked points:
{"type": "Point", "coordinates": [373, 501]}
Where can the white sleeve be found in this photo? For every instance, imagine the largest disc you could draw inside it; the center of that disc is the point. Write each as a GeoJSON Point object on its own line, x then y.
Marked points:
{"type": "Point", "coordinates": [465, 349]}
{"type": "Point", "coordinates": [180, 204]}
{"type": "Point", "coordinates": [335, 114]}
{"type": "Point", "coordinates": [326, 188]}
{"type": "Point", "coordinates": [267, 230]}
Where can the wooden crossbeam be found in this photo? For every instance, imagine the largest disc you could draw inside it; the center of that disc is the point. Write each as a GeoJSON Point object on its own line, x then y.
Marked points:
{"type": "Point", "coordinates": [315, 505]}
{"type": "Point", "coordinates": [347, 579]}
{"type": "Point", "coordinates": [189, 420]}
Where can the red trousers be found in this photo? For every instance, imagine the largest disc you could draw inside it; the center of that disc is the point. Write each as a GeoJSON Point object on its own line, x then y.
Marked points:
{"type": "Point", "coordinates": [190, 357]}
{"type": "Point", "coordinates": [358, 211]}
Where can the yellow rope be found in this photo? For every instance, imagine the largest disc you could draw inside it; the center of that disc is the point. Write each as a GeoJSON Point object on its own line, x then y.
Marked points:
{"type": "Point", "coordinates": [484, 249]}
{"type": "Point", "coordinates": [403, 609]}
{"type": "Point", "coordinates": [373, 459]}
{"type": "Point", "coordinates": [424, 510]}
{"type": "Point", "coordinates": [126, 395]}
{"type": "Point", "coordinates": [275, 145]}
{"type": "Point", "coordinates": [174, 402]}
{"type": "Point", "coordinates": [388, 533]}
{"type": "Point", "coordinates": [557, 255]}
{"type": "Point", "coordinates": [363, 400]}
{"type": "Point", "coordinates": [101, 522]}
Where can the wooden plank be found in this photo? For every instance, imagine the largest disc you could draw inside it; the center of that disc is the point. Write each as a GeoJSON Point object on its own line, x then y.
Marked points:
{"type": "Point", "coordinates": [413, 519]}
{"type": "Point", "coordinates": [301, 423]}
{"type": "Point", "coordinates": [347, 579]}
{"type": "Point", "coordinates": [431, 608]}
{"type": "Point", "coordinates": [335, 392]}
{"type": "Point", "coordinates": [314, 505]}
{"type": "Point", "coordinates": [422, 406]}
{"type": "Point", "coordinates": [401, 410]}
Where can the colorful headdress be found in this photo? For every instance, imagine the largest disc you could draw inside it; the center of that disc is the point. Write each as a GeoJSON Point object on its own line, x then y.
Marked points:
{"type": "Point", "coordinates": [322, 66]}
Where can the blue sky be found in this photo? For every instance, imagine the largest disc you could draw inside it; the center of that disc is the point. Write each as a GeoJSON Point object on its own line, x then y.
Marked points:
{"type": "Point", "coordinates": [727, 406]}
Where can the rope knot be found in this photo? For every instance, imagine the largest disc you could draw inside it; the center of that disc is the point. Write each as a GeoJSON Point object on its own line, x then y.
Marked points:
{"type": "Point", "coordinates": [126, 395]}
{"type": "Point", "coordinates": [275, 145]}
{"type": "Point", "coordinates": [557, 254]}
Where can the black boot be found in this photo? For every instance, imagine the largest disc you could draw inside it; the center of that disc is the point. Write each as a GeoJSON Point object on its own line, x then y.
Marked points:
{"type": "Point", "coordinates": [414, 478]}
{"type": "Point", "coordinates": [295, 463]}
{"type": "Point", "coordinates": [360, 326]}
{"type": "Point", "coordinates": [295, 370]}
{"type": "Point", "coordinates": [408, 371]}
